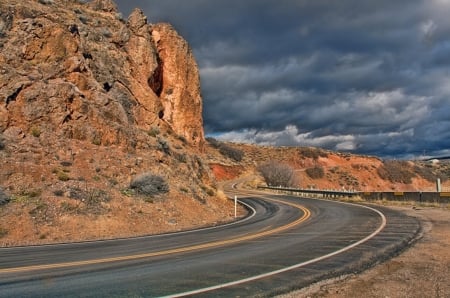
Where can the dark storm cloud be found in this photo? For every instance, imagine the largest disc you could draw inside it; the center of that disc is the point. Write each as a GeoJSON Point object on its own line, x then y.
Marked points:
{"type": "Point", "coordinates": [370, 77]}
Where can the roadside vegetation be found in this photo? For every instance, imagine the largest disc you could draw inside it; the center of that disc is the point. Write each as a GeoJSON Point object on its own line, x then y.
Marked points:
{"type": "Point", "coordinates": [404, 171]}
{"type": "Point", "coordinates": [315, 172]}
{"type": "Point", "coordinates": [149, 185]}
{"type": "Point", "coordinates": [226, 150]}
{"type": "Point", "coordinates": [277, 174]}
{"type": "Point", "coordinates": [4, 199]}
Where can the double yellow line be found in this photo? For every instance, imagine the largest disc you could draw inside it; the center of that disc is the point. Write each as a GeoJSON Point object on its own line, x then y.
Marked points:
{"type": "Point", "coordinates": [306, 215]}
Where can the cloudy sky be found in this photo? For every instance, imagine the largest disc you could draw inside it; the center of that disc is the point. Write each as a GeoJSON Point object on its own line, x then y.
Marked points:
{"type": "Point", "coordinates": [369, 77]}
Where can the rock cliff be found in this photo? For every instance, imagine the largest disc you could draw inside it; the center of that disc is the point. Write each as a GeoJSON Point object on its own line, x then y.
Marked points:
{"type": "Point", "coordinates": [79, 71]}
{"type": "Point", "coordinates": [101, 129]}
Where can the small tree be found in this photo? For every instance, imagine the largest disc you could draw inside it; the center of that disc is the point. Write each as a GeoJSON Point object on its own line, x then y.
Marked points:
{"type": "Point", "coordinates": [277, 174]}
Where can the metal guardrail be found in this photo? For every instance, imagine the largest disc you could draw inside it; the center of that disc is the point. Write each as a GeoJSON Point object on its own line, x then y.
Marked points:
{"type": "Point", "coordinates": [417, 196]}
{"type": "Point", "coordinates": [325, 193]}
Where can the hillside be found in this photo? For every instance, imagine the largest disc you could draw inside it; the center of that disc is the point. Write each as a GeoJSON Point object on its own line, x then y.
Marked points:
{"type": "Point", "coordinates": [101, 128]}
{"type": "Point", "coordinates": [322, 169]}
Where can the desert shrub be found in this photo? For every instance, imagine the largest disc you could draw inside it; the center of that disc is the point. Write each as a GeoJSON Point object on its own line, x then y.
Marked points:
{"type": "Point", "coordinates": [226, 150]}
{"type": "Point", "coordinates": [41, 212]}
{"type": "Point", "coordinates": [213, 142]}
{"type": "Point", "coordinates": [3, 232]}
{"type": "Point", "coordinates": [91, 197]}
{"type": "Point", "coordinates": [35, 132]}
{"type": "Point", "coordinates": [334, 170]}
{"type": "Point", "coordinates": [444, 173]}
{"type": "Point", "coordinates": [2, 144]}
{"type": "Point", "coordinates": [4, 199]}
{"type": "Point", "coordinates": [396, 171]}
{"type": "Point", "coordinates": [233, 153]}
{"type": "Point", "coordinates": [58, 193]}
{"type": "Point", "coordinates": [83, 19]}
{"type": "Point", "coordinates": [182, 139]}
{"type": "Point", "coordinates": [63, 176]}
{"type": "Point", "coordinates": [47, 2]}
{"type": "Point", "coordinates": [277, 174]}
{"type": "Point", "coordinates": [66, 163]}
{"type": "Point", "coordinates": [154, 131]}
{"type": "Point", "coordinates": [426, 173]}
{"type": "Point", "coordinates": [149, 184]}
{"type": "Point", "coordinates": [315, 173]}
{"type": "Point", "coordinates": [209, 191]}
{"type": "Point", "coordinates": [313, 153]}
{"type": "Point", "coordinates": [106, 33]}
{"type": "Point", "coordinates": [97, 140]}
{"type": "Point", "coordinates": [164, 146]}
{"type": "Point", "coordinates": [94, 197]}
{"type": "Point", "coordinates": [181, 157]}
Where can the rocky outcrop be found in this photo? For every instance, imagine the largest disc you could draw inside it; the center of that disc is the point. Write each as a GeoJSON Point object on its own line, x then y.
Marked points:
{"type": "Point", "coordinates": [79, 71]}
{"type": "Point", "coordinates": [180, 90]}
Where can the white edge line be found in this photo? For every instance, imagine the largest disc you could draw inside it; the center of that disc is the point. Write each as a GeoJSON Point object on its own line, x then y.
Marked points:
{"type": "Point", "coordinates": [296, 266]}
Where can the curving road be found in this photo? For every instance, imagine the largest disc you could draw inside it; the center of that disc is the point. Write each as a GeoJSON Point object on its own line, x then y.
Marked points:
{"type": "Point", "coordinates": [285, 243]}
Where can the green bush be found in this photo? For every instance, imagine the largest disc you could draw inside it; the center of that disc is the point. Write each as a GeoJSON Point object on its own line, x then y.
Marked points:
{"type": "Point", "coordinates": [149, 184]}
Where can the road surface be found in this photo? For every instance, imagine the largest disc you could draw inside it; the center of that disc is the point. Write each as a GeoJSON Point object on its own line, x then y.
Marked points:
{"type": "Point", "coordinates": [285, 243]}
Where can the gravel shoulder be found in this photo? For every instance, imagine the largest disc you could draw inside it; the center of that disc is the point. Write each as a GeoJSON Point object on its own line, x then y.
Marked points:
{"type": "Point", "coordinates": [422, 270]}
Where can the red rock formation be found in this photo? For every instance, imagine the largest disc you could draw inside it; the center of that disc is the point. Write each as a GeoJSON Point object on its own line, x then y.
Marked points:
{"type": "Point", "coordinates": [81, 72]}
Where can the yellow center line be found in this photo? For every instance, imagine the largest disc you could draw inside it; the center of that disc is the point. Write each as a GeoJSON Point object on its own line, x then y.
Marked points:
{"type": "Point", "coordinates": [305, 216]}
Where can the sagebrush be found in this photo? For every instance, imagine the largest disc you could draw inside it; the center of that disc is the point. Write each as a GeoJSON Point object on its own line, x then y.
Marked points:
{"type": "Point", "coordinates": [226, 150]}
{"type": "Point", "coordinates": [396, 171]}
{"type": "Point", "coordinates": [4, 199]}
{"type": "Point", "coordinates": [316, 172]}
{"type": "Point", "coordinates": [149, 184]}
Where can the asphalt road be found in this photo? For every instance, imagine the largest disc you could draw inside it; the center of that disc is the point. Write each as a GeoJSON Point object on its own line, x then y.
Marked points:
{"type": "Point", "coordinates": [247, 258]}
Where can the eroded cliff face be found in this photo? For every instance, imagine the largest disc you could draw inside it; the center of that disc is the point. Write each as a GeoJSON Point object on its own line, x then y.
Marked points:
{"type": "Point", "coordinates": [79, 71]}
{"type": "Point", "coordinates": [88, 103]}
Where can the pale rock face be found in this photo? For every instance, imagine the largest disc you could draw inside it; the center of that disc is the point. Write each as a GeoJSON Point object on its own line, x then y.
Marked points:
{"type": "Point", "coordinates": [78, 71]}
{"type": "Point", "coordinates": [180, 93]}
